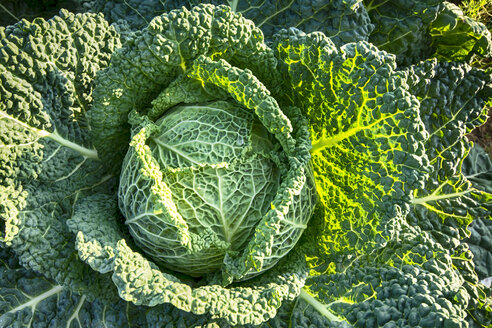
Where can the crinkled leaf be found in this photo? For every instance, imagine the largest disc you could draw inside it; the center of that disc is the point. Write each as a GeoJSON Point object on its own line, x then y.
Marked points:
{"type": "Point", "coordinates": [402, 27]}
{"type": "Point", "coordinates": [417, 30]}
{"type": "Point", "coordinates": [28, 299]}
{"type": "Point", "coordinates": [411, 282]}
{"type": "Point", "coordinates": [367, 149]}
{"type": "Point", "coordinates": [477, 168]}
{"type": "Point", "coordinates": [452, 98]}
{"type": "Point", "coordinates": [341, 20]}
{"type": "Point", "coordinates": [46, 72]}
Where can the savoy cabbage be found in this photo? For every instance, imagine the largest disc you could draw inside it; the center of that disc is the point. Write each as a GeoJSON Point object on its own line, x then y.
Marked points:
{"type": "Point", "coordinates": [244, 163]}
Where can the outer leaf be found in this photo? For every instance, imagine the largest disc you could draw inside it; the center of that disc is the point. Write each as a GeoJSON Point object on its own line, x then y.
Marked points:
{"type": "Point", "coordinates": [13, 11]}
{"type": "Point", "coordinates": [343, 21]}
{"type": "Point", "coordinates": [47, 161]}
{"type": "Point", "coordinates": [411, 282]}
{"type": "Point", "coordinates": [417, 30]}
{"type": "Point", "coordinates": [402, 27]}
{"type": "Point", "coordinates": [481, 246]}
{"type": "Point", "coordinates": [136, 14]}
{"type": "Point", "coordinates": [367, 138]}
{"type": "Point", "coordinates": [28, 299]}
{"type": "Point", "coordinates": [304, 312]}
{"type": "Point", "coordinates": [452, 99]}
{"type": "Point", "coordinates": [477, 168]}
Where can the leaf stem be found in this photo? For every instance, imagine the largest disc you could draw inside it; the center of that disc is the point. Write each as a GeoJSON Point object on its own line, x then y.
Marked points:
{"type": "Point", "coordinates": [320, 307]}
{"type": "Point", "coordinates": [430, 198]}
{"type": "Point", "coordinates": [86, 152]}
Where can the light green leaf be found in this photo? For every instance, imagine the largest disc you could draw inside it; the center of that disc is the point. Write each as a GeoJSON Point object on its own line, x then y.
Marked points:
{"type": "Point", "coordinates": [367, 138]}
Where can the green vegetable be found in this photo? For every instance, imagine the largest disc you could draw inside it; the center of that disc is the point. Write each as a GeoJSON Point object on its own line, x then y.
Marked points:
{"type": "Point", "coordinates": [218, 172]}
{"type": "Point", "coordinates": [193, 173]}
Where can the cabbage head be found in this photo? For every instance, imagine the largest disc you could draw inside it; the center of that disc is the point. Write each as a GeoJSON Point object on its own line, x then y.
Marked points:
{"type": "Point", "coordinates": [222, 169]}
